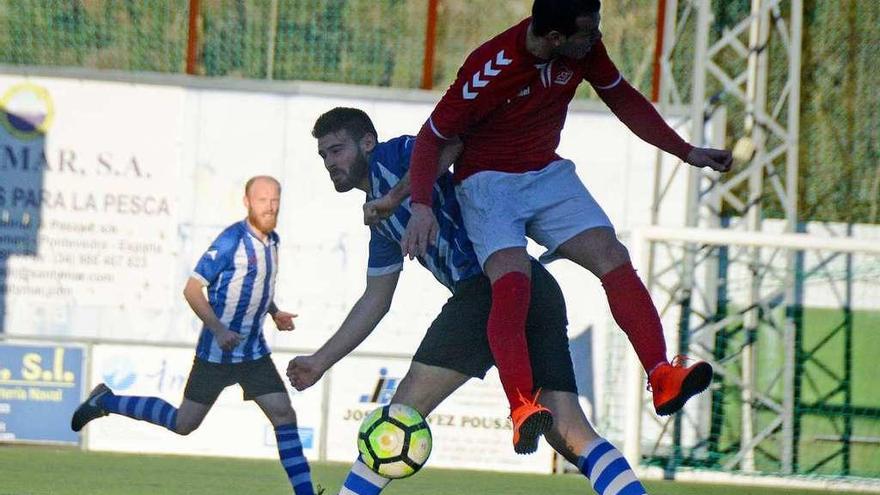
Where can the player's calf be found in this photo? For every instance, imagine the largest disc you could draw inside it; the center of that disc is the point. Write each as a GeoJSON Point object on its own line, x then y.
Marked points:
{"type": "Point", "coordinates": [362, 480]}
{"type": "Point", "coordinates": [295, 464]}
{"type": "Point", "coordinates": [102, 401]}
{"type": "Point", "coordinates": [608, 471]}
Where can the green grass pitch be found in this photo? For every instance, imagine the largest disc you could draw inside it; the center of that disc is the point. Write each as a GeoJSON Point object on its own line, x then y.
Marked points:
{"type": "Point", "coordinates": [54, 471]}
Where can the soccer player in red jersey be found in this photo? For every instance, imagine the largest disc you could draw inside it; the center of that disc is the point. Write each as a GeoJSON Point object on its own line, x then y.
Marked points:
{"type": "Point", "coordinates": [508, 105]}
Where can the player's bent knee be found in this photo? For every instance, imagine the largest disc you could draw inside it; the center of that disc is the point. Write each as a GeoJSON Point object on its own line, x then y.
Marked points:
{"type": "Point", "coordinates": [281, 414]}
{"type": "Point", "coordinates": [281, 418]}
{"type": "Point", "coordinates": [424, 387]}
{"type": "Point", "coordinates": [618, 249]}
{"type": "Point", "coordinates": [411, 393]}
{"type": "Point", "coordinates": [186, 427]}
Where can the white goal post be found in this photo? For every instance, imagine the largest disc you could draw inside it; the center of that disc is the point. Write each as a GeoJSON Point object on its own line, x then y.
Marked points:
{"type": "Point", "coordinates": [638, 435]}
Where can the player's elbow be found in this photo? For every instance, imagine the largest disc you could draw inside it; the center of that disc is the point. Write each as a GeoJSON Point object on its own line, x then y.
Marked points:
{"type": "Point", "coordinates": [383, 309]}
{"type": "Point", "coordinates": [377, 306]}
{"type": "Point", "coordinates": [191, 290]}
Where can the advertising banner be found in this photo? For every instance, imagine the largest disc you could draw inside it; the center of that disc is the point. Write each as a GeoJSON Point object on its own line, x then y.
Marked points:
{"type": "Point", "coordinates": [233, 427]}
{"type": "Point", "coordinates": [112, 190]}
{"type": "Point", "coordinates": [470, 428]}
{"type": "Point", "coordinates": [40, 387]}
{"type": "Point", "coordinates": [88, 216]}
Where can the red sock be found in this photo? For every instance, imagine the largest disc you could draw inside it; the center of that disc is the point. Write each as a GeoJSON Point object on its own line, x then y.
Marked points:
{"type": "Point", "coordinates": [635, 313]}
{"type": "Point", "coordinates": [507, 335]}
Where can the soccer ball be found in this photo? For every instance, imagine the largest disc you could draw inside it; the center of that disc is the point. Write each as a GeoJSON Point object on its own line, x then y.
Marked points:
{"type": "Point", "coordinates": [394, 441]}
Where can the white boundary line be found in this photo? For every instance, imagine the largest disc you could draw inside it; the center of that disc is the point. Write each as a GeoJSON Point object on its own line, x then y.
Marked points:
{"type": "Point", "coordinates": [848, 484]}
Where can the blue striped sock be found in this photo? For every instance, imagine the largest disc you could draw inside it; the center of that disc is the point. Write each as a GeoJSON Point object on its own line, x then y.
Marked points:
{"type": "Point", "coordinates": [608, 471]}
{"type": "Point", "coordinates": [362, 480]}
{"type": "Point", "coordinates": [295, 464]}
{"type": "Point", "coordinates": [152, 409]}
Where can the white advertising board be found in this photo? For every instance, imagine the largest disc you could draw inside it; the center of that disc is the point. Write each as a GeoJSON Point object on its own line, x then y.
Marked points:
{"type": "Point", "coordinates": [148, 175]}
{"type": "Point", "coordinates": [195, 147]}
{"type": "Point", "coordinates": [111, 191]}
{"type": "Point", "coordinates": [233, 427]}
{"type": "Point", "coordinates": [470, 428]}
{"type": "Point", "coordinates": [89, 172]}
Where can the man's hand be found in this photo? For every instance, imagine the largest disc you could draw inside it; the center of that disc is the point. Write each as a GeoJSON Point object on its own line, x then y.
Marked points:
{"type": "Point", "coordinates": [379, 209]}
{"type": "Point", "coordinates": [420, 231]}
{"type": "Point", "coordinates": [719, 160]}
{"type": "Point", "coordinates": [284, 320]}
{"type": "Point", "coordinates": [304, 371]}
{"type": "Point", "coordinates": [227, 340]}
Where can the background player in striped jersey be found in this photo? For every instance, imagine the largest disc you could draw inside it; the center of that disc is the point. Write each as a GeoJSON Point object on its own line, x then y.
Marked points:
{"type": "Point", "coordinates": [239, 270]}
{"type": "Point", "coordinates": [455, 347]}
{"type": "Point", "coordinates": [508, 105]}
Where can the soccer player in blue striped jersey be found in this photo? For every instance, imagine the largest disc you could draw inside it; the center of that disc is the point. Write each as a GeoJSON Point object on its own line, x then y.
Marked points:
{"type": "Point", "coordinates": [450, 260]}
{"type": "Point", "coordinates": [238, 270]}
{"type": "Point", "coordinates": [455, 347]}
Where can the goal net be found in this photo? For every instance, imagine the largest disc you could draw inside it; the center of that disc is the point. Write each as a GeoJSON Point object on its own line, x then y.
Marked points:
{"type": "Point", "coordinates": [791, 325]}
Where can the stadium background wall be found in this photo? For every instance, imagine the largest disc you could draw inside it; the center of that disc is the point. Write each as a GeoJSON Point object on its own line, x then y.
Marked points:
{"type": "Point", "coordinates": [142, 171]}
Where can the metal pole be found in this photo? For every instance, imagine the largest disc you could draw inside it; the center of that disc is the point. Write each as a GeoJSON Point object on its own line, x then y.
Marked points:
{"type": "Point", "coordinates": [756, 96]}
{"type": "Point", "coordinates": [270, 41]}
{"type": "Point", "coordinates": [88, 355]}
{"type": "Point", "coordinates": [662, 100]}
{"type": "Point", "coordinates": [658, 50]}
{"type": "Point", "coordinates": [791, 214]}
{"type": "Point", "coordinates": [430, 40]}
{"type": "Point", "coordinates": [326, 388]}
{"type": "Point", "coordinates": [632, 446]}
{"type": "Point", "coordinates": [692, 215]}
{"type": "Point", "coordinates": [192, 42]}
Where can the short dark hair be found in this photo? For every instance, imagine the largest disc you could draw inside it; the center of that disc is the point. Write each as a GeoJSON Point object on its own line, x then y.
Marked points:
{"type": "Point", "coordinates": [352, 120]}
{"type": "Point", "coordinates": [560, 15]}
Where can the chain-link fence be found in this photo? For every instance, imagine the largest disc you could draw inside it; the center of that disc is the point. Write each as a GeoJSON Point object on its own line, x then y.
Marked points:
{"type": "Point", "coordinates": [373, 42]}
{"type": "Point", "coordinates": [840, 112]}
{"type": "Point", "coordinates": [382, 43]}
{"type": "Point", "coordinates": [101, 34]}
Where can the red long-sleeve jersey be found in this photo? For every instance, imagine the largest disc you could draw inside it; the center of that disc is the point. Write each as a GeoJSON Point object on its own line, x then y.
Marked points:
{"type": "Point", "coordinates": [509, 107]}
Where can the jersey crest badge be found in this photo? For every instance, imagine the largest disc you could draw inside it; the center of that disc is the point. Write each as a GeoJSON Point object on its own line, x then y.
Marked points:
{"type": "Point", "coordinates": [563, 76]}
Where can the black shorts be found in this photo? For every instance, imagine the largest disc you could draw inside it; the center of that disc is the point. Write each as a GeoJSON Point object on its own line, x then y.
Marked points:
{"type": "Point", "coordinates": [207, 379]}
{"type": "Point", "coordinates": [457, 338]}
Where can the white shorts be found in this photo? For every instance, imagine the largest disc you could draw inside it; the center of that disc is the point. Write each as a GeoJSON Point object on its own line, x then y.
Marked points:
{"type": "Point", "coordinates": [550, 206]}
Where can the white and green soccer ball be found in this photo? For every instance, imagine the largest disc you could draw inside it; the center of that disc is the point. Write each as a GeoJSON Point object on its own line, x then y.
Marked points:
{"type": "Point", "coordinates": [394, 441]}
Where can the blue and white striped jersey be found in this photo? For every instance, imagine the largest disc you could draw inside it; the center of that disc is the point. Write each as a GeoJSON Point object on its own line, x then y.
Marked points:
{"type": "Point", "coordinates": [239, 271]}
{"type": "Point", "coordinates": [452, 259]}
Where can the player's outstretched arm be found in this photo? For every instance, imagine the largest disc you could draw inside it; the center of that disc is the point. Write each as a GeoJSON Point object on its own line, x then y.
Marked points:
{"type": "Point", "coordinates": [379, 209]}
{"type": "Point", "coordinates": [305, 371]}
{"type": "Point", "coordinates": [195, 297]}
{"type": "Point", "coordinates": [634, 110]}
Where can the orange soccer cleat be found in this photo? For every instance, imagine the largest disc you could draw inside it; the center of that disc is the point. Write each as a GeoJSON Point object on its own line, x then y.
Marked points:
{"type": "Point", "coordinates": [673, 384]}
{"type": "Point", "coordinates": [530, 421]}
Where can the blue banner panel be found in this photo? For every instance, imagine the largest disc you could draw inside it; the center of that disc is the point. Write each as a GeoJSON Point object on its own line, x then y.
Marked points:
{"type": "Point", "coordinates": [40, 387]}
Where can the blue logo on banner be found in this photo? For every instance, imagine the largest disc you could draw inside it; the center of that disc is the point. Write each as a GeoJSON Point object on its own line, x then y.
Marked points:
{"type": "Point", "coordinates": [40, 387]}
{"type": "Point", "coordinates": [119, 373]}
{"type": "Point", "coordinates": [307, 437]}
{"type": "Point", "coordinates": [383, 390]}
